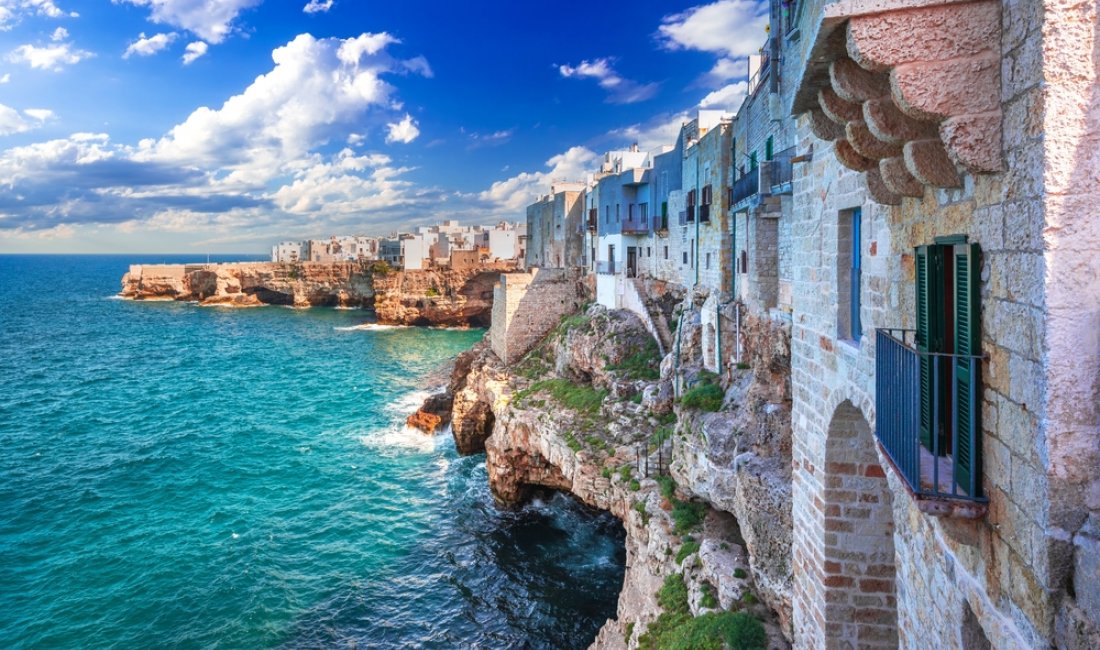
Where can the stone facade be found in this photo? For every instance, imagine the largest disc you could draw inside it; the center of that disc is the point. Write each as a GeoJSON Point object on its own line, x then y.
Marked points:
{"type": "Point", "coordinates": [528, 305]}
{"type": "Point", "coordinates": [1010, 576]}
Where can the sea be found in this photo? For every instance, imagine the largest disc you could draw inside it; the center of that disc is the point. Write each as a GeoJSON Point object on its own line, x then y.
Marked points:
{"type": "Point", "coordinates": [176, 476]}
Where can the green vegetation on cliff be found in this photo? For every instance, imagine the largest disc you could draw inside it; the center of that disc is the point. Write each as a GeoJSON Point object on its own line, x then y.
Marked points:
{"type": "Point", "coordinates": [581, 398]}
{"type": "Point", "coordinates": [706, 395]}
{"type": "Point", "coordinates": [676, 629]}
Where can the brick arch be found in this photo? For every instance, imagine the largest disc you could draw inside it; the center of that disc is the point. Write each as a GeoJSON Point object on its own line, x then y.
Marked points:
{"type": "Point", "coordinates": [860, 603]}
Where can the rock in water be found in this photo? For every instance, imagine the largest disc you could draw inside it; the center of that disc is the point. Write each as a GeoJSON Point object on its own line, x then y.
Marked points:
{"type": "Point", "coordinates": [433, 414]}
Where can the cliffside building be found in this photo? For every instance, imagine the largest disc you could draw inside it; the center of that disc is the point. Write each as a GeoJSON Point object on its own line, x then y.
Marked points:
{"type": "Point", "coordinates": [555, 233]}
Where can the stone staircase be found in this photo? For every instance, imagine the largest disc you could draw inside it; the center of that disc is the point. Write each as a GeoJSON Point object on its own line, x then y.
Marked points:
{"type": "Point", "coordinates": [658, 322]}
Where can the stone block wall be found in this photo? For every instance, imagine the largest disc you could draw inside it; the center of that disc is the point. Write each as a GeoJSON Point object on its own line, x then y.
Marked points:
{"type": "Point", "coordinates": [1013, 577]}
{"type": "Point", "coordinates": [528, 305]}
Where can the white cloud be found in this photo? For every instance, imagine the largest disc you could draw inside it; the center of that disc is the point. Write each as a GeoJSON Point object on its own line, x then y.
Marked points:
{"type": "Point", "coordinates": [12, 11]}
{"type": "Point", "coordinates": [404, 131]}
{"type": "Point", "coordinates": [727, 98]}
{"type": "Point", "coordinates": [59, 34]}
{"type": "Point", "coordinates": [522, 189]}
{"type": "Point", "coordinates": [620, 90]}
{"type": "Point", "coordinates": [649, 135]}
{"type": "Point", "coordinates": [210, 20]}
{"type": "Point", "coordinates": [40, 114]}
{"type": "Point", "coordinates": [48, 57]}
{"type": "Point", "coordinates": [318, 6]}
{"type": "Point", "coordinates": [319, 89]}
{"type": "Point", "coordinates": [729, 28]}
{"type": "Point", "coordinates": [148, 46]}
{"type": "Point", "coordinates": [12, 122]}
{"type": "Point", "coordinates": [5, 78]}
{"type": "Point", "coordinates": [194, 51]}
{"type": "Point", "coordinates": [256, 167]}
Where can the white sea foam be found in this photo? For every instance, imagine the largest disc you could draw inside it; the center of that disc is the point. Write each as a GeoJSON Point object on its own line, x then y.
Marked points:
{"type": "Point", "coordinates": [408, 403]}
{"type": "Point", "coordinates": [400, 438]}
{"type": "Point", "coordinates": [115, 296]}
{"type": "Point", "coordinates": [370, 327]}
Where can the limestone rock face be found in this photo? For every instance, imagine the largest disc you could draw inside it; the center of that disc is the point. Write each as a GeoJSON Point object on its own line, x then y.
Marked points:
{"type": "Point", "coordinates": [330, 284]}
{"type": "Point", "coordinates": [430, 297]}
{"type": "Point", "coordinates": [600, 455]}
{"type": "Point", "coordinates": [739, 460]}
{"type": "Point", "coordinates": [475, 385]}
{"type": "Point", "coordinates": [447, 298]}
{"type": "Point", "coordinates": [602, 340]}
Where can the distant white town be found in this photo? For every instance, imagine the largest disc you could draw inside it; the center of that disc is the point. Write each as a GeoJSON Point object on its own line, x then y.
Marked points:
{"type": "Point", "coordinates": [445, 245]}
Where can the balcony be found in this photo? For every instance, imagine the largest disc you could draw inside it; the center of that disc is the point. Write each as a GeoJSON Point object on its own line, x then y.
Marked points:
{"type": "Point", "coordinates": [744, 187]}
{"type": "Point", "coordinates": [942, 471]}
{"type": "Point", "coordinates": [636, 226]}
{"type": "Point", "coordinates": [778, 172]}
{"type": "Point", "coordinates": [593, 218]}
{"type": "Point", "coordinates": [607, 267]}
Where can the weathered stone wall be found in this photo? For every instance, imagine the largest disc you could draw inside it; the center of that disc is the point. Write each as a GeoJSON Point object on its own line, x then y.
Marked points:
{"type": "Point", "coordinates": [528, 305]}
{"type": "Point", "coordinates": [707, 162]}
{"type": "Point", "coordinates": [1005, 577]}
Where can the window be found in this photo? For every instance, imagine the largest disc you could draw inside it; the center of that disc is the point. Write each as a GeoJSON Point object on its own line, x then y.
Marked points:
{"type": "Point", "coordinates": [769, 147]}
{"type": "Point", "coordinates": [708, 262]}
{"type": "Point", "coordinates": [848, 277]}
{"type": "Point", "coordinates": [648, 251]}
{"type": "Point", "coordinates": [666, 252]}
{"type": "Point", "coordinates": [617, 216]}
{"type": "Point", "coordinates": [752, 161]}
{"type": "Point", "coordinates": [685, 258]}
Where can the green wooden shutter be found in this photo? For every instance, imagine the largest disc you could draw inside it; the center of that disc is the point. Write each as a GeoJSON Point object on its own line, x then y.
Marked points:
{"type": "Point", "coordinates": [967, 385]}
{"type": "Point", "coordinates": [929, 272]}
{"type": "Point", "coordinates": [768, 148]}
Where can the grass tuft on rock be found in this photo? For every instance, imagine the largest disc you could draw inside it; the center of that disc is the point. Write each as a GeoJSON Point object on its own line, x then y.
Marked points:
{"type": "Point", "coordinates": [687, 548]}
{"type": "Point", "coordinates": [675, 629]}
{"type": "Point", "coordinates": [706, 395]}
{"type": "Point", "coordinates": [579, 397]}
{"type": "Point", "coordinates": [687, 515]}
{"type": "Point", "coordinates": [643, 363]}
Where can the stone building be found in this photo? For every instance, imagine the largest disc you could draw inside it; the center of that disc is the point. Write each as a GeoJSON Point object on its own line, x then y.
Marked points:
{"type": "Point", "coordinates": [946, 301]}
{"type": "Point", "coordinates": [555, 228]}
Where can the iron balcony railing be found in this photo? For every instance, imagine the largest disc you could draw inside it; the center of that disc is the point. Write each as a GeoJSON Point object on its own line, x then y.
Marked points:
{"type": "Point", "coordinates": [607, 267]}
{"type": "Point", "coordinates": [744, 187]}
{"type": "Point", "coordinates": [636, 222]}
{"type": "Point", "coordinates": [929, 472]}
{"type": "Point", "coordinates": [780, 171]}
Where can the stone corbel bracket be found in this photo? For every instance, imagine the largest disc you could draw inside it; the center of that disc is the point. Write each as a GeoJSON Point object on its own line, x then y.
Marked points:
{"type": "Point", "coordinates": [912, 93]}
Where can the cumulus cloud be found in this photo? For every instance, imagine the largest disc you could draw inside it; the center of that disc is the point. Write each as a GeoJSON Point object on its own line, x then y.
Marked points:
{"type": "Point", "coordinates": [148, 46]}
{"type": "Point", "coordinates": [5, 78]}
{"type": "Point", "coordinates": [318, 6]}
{"type": "Point", "coordinates": [59, 34]}
{"type": "Point", "coordinates": [515, 193]}
{"type": "Point", "coordinates": [258, 166]}
{"type": "Point", "coordinates": [210, 20]}
{"type": "Point", "coordinates": [194, 51]}
{"type": "Point", "coordinates": [653, 133]}
{"type": "Point", "coordinates": [11, 121]}
{"type": "Point", "coordinates": [619, 90]}
{"type": "Point", "coordinates": [729, 28]}
{"type": "Point", "coordinates": [727, 98]}
{"type": "Point", "coordinates": [12, 11]}
{"type": "Point", "coordinates": [404, 131]}
{"type": "Point", "coordinates": [48, 57]}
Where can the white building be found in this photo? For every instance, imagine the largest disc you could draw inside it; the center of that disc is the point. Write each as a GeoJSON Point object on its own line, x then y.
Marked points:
{"type": "Point", "coordinates": [287, 251]}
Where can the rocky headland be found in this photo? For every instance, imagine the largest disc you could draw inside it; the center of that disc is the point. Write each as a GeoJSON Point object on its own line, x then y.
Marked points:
{"type": "Point", "coordinates": [700, 477]}
{"type": "Point", "coordinates": [438, 297]}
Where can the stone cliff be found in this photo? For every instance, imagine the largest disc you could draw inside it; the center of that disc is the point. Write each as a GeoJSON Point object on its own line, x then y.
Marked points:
{"type": "Point", "coordinates": [589, 412]}
{"type": "Point", "coordinates": [429, 297]}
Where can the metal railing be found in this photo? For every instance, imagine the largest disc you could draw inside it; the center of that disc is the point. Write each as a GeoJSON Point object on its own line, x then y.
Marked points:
{"type": "Point", "coordinates": [744, 187]}
{"type": "Point", "coordinates": [781, 171]}
{"type": "Point", "coordinates": [606, 267]}
{"type": "Point", "coordinates": [929, 472]}
{"type": "Point", "coordinates": [593, 218]}
{"type": "Point", "coordinates": [636, 224]}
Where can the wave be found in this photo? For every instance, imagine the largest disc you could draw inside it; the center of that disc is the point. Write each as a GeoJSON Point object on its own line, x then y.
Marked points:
{"type": "Point", "coordinates": [370, 327]}
{"type": "Point", "coordinates": [401, 437]}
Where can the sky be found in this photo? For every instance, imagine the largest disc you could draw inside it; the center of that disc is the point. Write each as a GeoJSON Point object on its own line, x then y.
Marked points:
{"type": "Point", "coordinates": [224, 126]}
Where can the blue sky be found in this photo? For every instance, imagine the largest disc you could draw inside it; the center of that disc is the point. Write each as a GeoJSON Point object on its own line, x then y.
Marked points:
{"type": "Point", "coordinates": [225, 125]}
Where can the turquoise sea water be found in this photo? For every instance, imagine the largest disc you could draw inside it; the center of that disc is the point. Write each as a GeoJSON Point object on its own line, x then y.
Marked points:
{"type": "Point", "coordinates": [181, 477]}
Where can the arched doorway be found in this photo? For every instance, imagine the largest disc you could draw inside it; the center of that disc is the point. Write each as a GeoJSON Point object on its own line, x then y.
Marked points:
{"type": "Point", "coordinates": [860, 597]}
